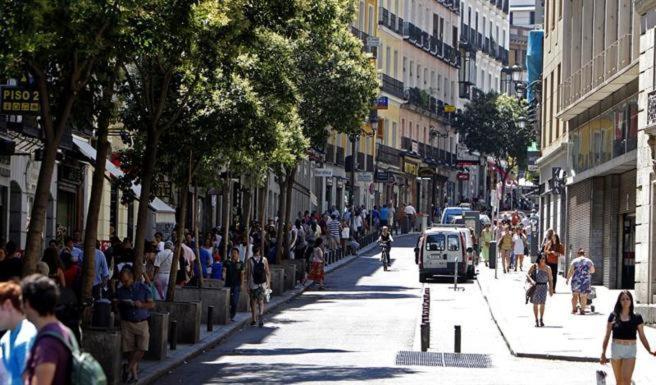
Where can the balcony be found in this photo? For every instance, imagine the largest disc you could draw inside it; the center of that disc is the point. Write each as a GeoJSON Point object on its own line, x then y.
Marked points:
{"type": "Point", "coordinates": [406, 144]}
{"type": "Point", "coordinates": [426, 42]}
{"type": "Point", "coordinates": [383, 16]}
{"type": "Point", "coordinates": [389, 20]}
{"type": "Point", "coordinates": [595, 80]}
{"type": "Point", "coordinates": [360, 34]}
{"type": "Point", "coordinates": [392, 86]}
{"type": "Point", "coordinates": [388, 155]}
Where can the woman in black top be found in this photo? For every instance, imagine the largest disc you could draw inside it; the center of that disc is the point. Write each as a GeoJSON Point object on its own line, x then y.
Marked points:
{"type": "Point", "coordinates": [624, 325]}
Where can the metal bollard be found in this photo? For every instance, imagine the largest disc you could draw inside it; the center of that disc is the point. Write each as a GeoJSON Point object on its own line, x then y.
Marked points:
{"type": "Point", "coordinates": [425, 336]}
{"type": "Point", "coordinates": [210, 313]}
{"type": "Point", "coordinates": [173, 335]}
{"type": "Point", "coordinates": [456, 348]}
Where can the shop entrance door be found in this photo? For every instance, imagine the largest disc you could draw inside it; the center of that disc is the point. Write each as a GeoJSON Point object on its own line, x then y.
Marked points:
{"type": "Point", "coordinates": [628, 251]}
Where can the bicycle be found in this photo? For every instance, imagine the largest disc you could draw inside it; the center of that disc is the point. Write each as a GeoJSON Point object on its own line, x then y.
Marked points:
{"type": "Point", "coordinates": [385, 249]}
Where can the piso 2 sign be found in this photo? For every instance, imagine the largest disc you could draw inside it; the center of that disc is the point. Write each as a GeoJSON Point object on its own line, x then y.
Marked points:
{"type": "Point", "coordinates": [16, 100]}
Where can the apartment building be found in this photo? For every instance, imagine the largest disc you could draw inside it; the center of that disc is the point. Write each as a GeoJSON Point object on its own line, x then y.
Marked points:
{"type": "Point", "coordinates": [590, 115]}
{"type": "Point", "coordinates": [645, 238]}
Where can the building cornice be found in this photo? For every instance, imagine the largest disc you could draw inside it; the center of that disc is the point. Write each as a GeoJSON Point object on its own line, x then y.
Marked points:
{"type": "Point", "coordinates": [644, 6]}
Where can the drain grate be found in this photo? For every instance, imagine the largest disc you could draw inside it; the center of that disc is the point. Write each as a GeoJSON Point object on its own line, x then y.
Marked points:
{"type": "Point", "coordinates": [455, 360]}
{"type": "Point", "coordinates": [467, 360]}
{"type": "Point", "coordinates": [406, 358]}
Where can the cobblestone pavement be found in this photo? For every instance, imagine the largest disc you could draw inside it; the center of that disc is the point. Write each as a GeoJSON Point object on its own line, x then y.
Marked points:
{"type": "Point", "coordinates": [352, 332]}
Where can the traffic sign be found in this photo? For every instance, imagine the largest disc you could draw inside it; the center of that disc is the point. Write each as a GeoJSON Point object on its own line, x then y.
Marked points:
{"type": "Point", "coordinates": [323, 172]}
{"type": "Point", "coordinates": [366, 177]}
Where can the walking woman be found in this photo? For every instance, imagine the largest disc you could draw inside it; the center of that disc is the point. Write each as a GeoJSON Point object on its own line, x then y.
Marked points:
{"type": "Point", "coordinates": [553, 250]}
{"type": "Point", "coordinates": [485, 239]}
{"type": "Point", "coordinates": [519, 245]}
{"type": "Point", "coordinates": [540, 275]}
{"type": "Point", "coordinates": [623, 325]}
{"type": "Point", "coordinates": [316, 271]}
{"type": "Point", "coordinates": [506, 245]}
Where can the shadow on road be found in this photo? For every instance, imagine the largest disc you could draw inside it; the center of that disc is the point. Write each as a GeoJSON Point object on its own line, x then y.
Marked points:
{"type": "Point", "coordinates": [291, 374]}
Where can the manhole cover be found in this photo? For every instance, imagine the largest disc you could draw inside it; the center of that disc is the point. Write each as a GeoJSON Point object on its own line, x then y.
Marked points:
{"type": "Point", "coordinates": [467, 360]}
{"type": "Point", "coordinates": [419, 359]}
{"type": "Point", "coordinates": [456, 360]}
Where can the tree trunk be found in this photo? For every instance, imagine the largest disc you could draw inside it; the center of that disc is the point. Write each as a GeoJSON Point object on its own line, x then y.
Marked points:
{"type": "Point", "coordinates": [197, 237]}
{"type": "Point", "coordinates": [225, 218]}
{"type": "Point", "coordinates": [93, 213]}
{"type": "Point", "coordinates": [288, 207]}
{"type": "Point", "coordinates": [264, 198]}
{"type": "Point", "coordinates": [147, 171]}
{"type": "Point", "coordinates": [39, 207]}
{"type": "Point", "coordinates": [282, 200]}
{"type": "Point", "coordinates": [248, 206]}
{"type": "Point", "coordinates": [181, 218]}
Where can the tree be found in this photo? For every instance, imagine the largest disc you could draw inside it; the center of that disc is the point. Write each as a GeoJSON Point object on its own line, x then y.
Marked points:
{"type": "Point", "coordinates": [489, 125]}
{"type": "Point", "coordinates": [56, 44]}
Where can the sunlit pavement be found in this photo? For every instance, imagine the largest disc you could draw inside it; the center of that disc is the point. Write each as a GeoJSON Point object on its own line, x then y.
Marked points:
{"type": "Point", "coordinates": [351, 333]}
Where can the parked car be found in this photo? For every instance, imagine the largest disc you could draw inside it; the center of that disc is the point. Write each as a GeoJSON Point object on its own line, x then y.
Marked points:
{"type": "Point", "coordinates": [440, 248]}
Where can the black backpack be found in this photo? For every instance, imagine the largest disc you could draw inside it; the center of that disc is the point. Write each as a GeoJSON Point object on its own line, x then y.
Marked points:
{"type": "Point", "coordinates": [259, 272]}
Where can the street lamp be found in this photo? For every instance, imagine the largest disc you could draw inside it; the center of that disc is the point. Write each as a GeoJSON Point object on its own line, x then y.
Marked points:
{"type": "Point", "coordinates": [521, 122]}
{"type": "Point", "coordinates": [516, 73]}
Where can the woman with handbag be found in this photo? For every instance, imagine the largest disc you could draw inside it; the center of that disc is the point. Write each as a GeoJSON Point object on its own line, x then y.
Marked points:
{"type": "Point", "coordinates": [540, 278]}
{"type": "Point", "coordinates": [553, 250]}
{"type": "Point", "coordinates": [317, 270]}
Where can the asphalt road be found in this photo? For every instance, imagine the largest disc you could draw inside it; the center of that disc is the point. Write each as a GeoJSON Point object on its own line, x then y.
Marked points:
{"type": "Point", "coordinates": [352, 332]}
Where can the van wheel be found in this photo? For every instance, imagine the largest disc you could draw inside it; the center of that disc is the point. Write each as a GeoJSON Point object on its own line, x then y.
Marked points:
{"type": "Point", "coordinates": [422, 278]}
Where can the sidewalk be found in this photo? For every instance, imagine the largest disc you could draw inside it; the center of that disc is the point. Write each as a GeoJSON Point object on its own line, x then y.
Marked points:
{"type": "Point", "coordinates": [152, 370]}
{"type": "Point", "coordinates": [565, 336]}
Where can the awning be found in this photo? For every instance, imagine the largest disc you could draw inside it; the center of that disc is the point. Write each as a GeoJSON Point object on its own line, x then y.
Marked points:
{"type": "Point", "coordinates": [157, 205]}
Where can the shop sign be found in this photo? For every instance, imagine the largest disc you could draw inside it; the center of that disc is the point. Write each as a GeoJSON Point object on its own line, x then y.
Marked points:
{"type": "Point", "coordinates": [382, 103]}
{"type": "Point", "coordinates": [323, 172]}
{"type": "Point", "coordinates": [465, 162]}
{"type": "Point", "coordinates": [410, 168]}
{"type": "Point", "coordinates": [17, 100]}
{"type": "Point", "coordinates": [364, 177]}
{"type": "Point", "coordinates": [463, 176]}
{"type": "Point", "coordinates": [449, 108]}
{"type": "Point", "coordinates": [381, 176]}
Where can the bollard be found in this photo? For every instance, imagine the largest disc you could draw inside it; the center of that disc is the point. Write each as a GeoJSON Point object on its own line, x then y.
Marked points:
{"type": "Point", "coordinates": [210, 313]}
{"type": "Point", "coordinates": [456, 348]}
{"type": "Point", "coordinates": [173, 337]}
{"type": "Point", "coordinates": [425, 336]}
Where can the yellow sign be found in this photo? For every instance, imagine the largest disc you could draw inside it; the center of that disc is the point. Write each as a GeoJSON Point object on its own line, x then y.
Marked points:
{"type": "Point", "coordinates": [410, 168]}
{"type": "Point", "coordinates": [17, 101]}
{"type": "Point", "coordinates": [449, 108]}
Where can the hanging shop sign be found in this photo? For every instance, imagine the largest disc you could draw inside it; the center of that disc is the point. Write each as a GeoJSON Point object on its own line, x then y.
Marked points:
{"type": "Point", "coordinates": [19, 100]}
{"type": "Point", "coordinates": [381, 176]}
{"type": "Point", "coordinates": [323, 172]}
{"type": "Point", "coordinates": [364, 177]}
{"type": "Point", "coordinates": [463, 176]}
{"type": "Point", "coordinates": [410, 168]}
{"type": "Point", "coordinates": [382, 103]}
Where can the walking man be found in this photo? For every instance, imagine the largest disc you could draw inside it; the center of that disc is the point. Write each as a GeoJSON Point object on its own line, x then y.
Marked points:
{"type": "Point", "coordinates": [259, 281]}
{"type": "Point", "coordinates": [134, 303]}
{"type": "Point", "coordinates": [17, 341]}
{"type": "Point", "coordinates": [410, 213]}
{"type": "Point", "coordinates": [50, 360]}
{"type": "Point", "coordinates": [233, 268]}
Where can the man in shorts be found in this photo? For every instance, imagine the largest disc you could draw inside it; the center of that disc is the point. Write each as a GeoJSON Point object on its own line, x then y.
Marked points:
{"type": "Point", "coordinates": [134, 301]}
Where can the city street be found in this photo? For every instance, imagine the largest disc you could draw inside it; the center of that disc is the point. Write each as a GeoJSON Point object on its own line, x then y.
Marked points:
{"type": "Point", "coordinates": [351, 333]}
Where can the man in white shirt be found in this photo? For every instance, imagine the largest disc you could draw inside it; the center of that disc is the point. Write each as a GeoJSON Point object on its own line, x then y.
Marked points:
{"type": "Point", "coordinates": [163, 261]}
{"type": "Point", "coordinates": [391, 218]}
{"type": "Point", "coordinates": [410, 213]}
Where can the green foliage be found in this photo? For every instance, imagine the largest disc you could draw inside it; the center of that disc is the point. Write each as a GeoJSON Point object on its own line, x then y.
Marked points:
{"type": "Point", "coordinates": [489, 125]}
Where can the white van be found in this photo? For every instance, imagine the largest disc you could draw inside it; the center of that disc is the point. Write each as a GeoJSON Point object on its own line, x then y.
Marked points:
{"type": "Point", "coordinates": [439, 250]}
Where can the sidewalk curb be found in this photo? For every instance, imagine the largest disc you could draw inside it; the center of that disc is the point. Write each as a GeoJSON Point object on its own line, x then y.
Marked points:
{"type": "Point", "coordinates": [552, 357]}
{"type": "Point", "coordinates": [238, 326]}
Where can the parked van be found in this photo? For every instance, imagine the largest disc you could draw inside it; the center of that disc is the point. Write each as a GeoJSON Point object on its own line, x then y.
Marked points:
{"type": "Point", "coordinates": [450, 212]}
{"type": "Point", "coordinates": [439, 250]}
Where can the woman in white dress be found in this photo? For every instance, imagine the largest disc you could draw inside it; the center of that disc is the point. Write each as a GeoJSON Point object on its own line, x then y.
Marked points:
{"type": "Point", "coordinates": [519, 245]}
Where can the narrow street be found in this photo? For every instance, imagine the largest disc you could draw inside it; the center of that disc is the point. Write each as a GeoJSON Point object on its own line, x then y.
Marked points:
{"type": "Point", "coordinates": [351, 333]}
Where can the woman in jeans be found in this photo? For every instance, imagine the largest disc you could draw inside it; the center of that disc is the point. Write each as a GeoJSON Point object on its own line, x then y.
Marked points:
{"type": "Point", "coordinates": [624, 325]}
{"type": "Point", "coordinates": [553, 250]}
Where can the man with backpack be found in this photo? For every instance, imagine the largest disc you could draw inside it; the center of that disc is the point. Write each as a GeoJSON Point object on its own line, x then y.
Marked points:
{"type": "Point", "coordinates": [259, 280]}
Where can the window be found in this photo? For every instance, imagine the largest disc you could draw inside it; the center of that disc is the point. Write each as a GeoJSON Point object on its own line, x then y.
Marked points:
{"type": "Point", "coordinates": [405, 71]}
{"type": "Point", "coordinates": [388, 59]}
{"type": "Point", "coordinates": [435, 242]}
{"type": "Point", "coordinates": [380, 60]}
{"type": "Point", "coordinates": [439, 84]}
{"type": "Point", "coordinates": [446, 86]}
{"type": "Point", "coordinates": [396, 7]}
{"type": "Point", "coordinates": [552, 18]}
{"type": "Point", "coordinates": [484, 26]}
{"type": "Point", "coordinates": [425, 78]}
{"type": "Point", "coordinates": [453, 243]}
{"type": "Point", "coordinates": [412, 79]}
{"type": "Point", "coordinates": [531, 18]}
{"type": "Point", "coordinates": [512, 16]}
{"type": "Point", "coordinates": [361, 16]}
{"type": "Point", "coordinates": [551, 101]}
{"type": "Point", "coordinates": [477, 21]}
{"type": "Point", "coordinates": [396, 64]}
{"type": "Point", "coordinates": [432, 83]}
{"type": "Point", "coordinates": [370, 28]}
{"type": "Point", "coordinates": [410, 129]}
{"type": "Point", "coordinates": [394, 134]}
{"type": "Point", "coordinates": [546, 17]}
{"type": "Point", "coordinates": [403, 127]}
{"type": "Point", "coordinates": [489, 82]}
{"type": "Point", "coordinates": [556, 99]}
{"type": "Point", "coordinates": [453, 92]}
{"type": "Point", "coordinates": [418, 84]}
